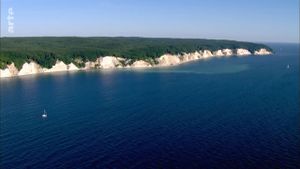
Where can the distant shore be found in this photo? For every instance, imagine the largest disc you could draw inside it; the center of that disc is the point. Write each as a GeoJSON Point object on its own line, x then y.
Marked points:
{"type": "Point", "coordinates": [112, 62]}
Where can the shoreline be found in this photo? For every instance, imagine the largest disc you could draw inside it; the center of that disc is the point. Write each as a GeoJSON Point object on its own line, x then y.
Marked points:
{"type": "Point", "coordinates": [112, 62]}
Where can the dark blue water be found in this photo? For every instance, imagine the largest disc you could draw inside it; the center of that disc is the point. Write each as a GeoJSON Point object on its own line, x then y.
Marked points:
{"type": "Point", "coordinates": [221, 113]}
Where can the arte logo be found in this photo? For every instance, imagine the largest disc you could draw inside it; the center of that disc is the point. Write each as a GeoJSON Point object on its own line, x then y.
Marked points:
{"type": "Point", "coordinates": [10, 20]}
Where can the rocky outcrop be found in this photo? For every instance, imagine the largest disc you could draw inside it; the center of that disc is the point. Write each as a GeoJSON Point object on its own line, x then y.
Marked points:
{"type": "Point", "coordinates": [110, 62]}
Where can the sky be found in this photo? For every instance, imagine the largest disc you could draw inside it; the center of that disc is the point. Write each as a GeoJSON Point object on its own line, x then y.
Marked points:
{"type": "Point", "coordinates": [246, 20]}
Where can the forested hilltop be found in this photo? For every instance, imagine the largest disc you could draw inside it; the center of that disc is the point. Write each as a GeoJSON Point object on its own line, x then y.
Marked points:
{"type": "Point", "coordinates": [47, 50]}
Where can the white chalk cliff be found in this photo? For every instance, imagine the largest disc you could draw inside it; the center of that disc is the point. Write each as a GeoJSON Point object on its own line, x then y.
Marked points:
{"type": "Point", "coordinates": [227, 52]}
{"type": "Point", "coordinates": [218, 53]}
{"type": "Point", "coordinates": [30, 68]}
{"type": "Point", "coordinates": [140, 64]}
{"type": "Point", "coordinates": [168, 60]}
{"type": "Point", "coordinates": [10, 71]}
{"type": "Point", "coordinates": [111, 62]}
{"type": "Point", "coordinates": [262, 52]}
{"type": "Point", "coordinates": [71, 67]}
{"type": "Point", "coordinates": [59, 66]}
{"type": "Point", "coordinates": [206, 54]}
{"type": "Point", "coordinates": [242, 52]}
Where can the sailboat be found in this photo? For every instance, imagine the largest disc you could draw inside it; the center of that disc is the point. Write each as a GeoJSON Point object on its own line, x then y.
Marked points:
{"type": "Point", "coordinates": [288, 66]}
{"type": "Point", "coordinates": [44, 115]}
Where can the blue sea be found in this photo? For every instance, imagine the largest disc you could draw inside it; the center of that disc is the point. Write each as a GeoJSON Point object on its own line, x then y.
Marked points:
{"type": "Point", "coordinates": [221, 113]}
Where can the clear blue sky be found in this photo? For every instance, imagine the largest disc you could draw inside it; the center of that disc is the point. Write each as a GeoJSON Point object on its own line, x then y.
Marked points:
{"type": "Point", "coordinates": [249, 20]}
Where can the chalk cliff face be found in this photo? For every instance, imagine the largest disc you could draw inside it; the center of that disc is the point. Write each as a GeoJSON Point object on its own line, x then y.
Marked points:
{"type": "Point", "coordinates": [34, 68]}
{"type": "Point", "coordinates": [206, 54]}
{"type": "Point", "coordinates": [218, 53]}
{"type": "Point", "coordinates": [90, 65]}
{"type": "Point", "coordinates": [5, 73]}
{"type": "Point", "coordinates": [186, 57]}
{"type": "Point", "coordinates": [227, 52]}
{"type": "Point", "coordinates": [243, 52]}
{"type": "Point", "coordinates": [71, 67]}
{"type": "Point", "coordinates": [262, 52]}
{"type": "Point", "coordinates": [168, 60]}
{"type": "Point", "coordinates": [140, 64]}
{"type": "Point", "coordinates": [10, 71]}
{"type": "Point", "coordinates": [59, 66]}
{"type": "Point", "coordinates": [30, 68]}
{"type": "Point", "coordinates": [109, 62]}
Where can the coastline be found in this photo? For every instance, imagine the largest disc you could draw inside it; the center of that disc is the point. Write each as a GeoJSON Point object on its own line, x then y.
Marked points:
{"type": "Point", "coordinates": [112, 62]}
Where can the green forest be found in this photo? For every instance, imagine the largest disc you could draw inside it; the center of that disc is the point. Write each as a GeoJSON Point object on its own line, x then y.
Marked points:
{"type": "Point", "coordinates": [46, 50]}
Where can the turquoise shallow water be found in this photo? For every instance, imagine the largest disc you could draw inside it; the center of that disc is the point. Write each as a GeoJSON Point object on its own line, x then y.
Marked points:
{"type": "Point", "coordinates": [220, 113]}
